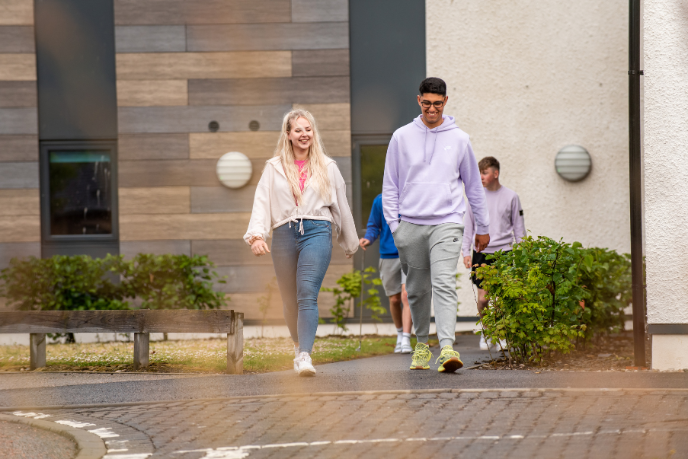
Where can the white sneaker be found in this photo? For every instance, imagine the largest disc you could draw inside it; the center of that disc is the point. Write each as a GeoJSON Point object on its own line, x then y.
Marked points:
{"type": "Point", "coordinates": [397, 348]}
{"type": "Point", "coordinates": [483, 343]}
{"type": "Point", "coordinates": [296, 356]}
{"type": "Point", "coordinates": [406, 348]}
{"type": "Point", "coordinates": [304, 365]}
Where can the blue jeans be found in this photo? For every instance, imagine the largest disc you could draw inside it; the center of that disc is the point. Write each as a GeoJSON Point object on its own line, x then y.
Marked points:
{"type": "Point", "coordinates": [301, 261]}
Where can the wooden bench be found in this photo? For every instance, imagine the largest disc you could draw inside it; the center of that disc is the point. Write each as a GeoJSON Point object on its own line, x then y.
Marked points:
{"type": "Point", "coordinates": [141, 322]}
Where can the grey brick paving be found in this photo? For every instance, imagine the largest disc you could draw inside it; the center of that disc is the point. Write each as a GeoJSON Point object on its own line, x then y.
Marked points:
{"type": "Point", "coordinates": [493, 423]}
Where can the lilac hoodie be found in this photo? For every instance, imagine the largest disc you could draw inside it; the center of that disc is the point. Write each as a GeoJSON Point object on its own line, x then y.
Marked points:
{"type": "Point", "coordinates": [424, 170]}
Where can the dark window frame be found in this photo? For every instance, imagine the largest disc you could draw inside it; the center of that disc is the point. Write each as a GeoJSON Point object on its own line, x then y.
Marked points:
{"type": "Point", "coordinates": [44, 164]}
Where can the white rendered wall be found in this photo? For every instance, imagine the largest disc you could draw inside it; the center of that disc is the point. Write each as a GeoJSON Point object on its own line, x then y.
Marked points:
{"type": "Point", "coordinates": [666, 169]}
{"type": "Point", "coordinates": [524, 80]}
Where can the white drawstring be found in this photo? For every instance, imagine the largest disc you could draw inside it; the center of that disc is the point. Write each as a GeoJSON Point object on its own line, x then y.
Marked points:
{"type": "Point", "coordinates": [301, 226]}
{"type": "Point", "coordinates": [295, 220]}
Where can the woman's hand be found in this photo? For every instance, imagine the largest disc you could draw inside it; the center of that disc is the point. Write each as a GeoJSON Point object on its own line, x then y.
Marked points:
{"type": "Point", "coordinates": [259, 247]}
{"type": "Point", "coordinates": [349, 255]}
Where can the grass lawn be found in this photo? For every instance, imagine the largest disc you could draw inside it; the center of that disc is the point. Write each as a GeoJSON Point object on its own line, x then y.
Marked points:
{"type": "Point", "coordinates": [193, 356]}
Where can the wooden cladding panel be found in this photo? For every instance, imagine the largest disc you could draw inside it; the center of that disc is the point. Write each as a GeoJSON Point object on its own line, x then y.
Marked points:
{"type": "Point", "coordinates": [130, 12]}
{"type": "Point", "coordinates": [141, 321]}
{"type": "Point", "coordinates": [261, 37]}
{"type": "Point", "coordinates": [152, 173]}
{"type": "Point", "coordinates": [324, 62]}
{"type": "Point", "coordinates": [331, 117]}
{"type": "Point", "coordinates": [16, 12]}
{"type": "Point", "coordinates": [147, 93]}
{"type": "Point", "coordinates": [16, 39]}
{"type": "Point", "coordinates": [22, 67]}
{"type": "Point", "coordinates": [19, 202]}
{"type": "Point", "coordinates": [158, 200]}
{"type": "Point", "coordinates": [9, 250]}
{"type": "Point", "coordinates": [150, 39]}
{"type": "Point", "coordinates": [260, 144]}
{"type": "Point", "coordinates": [18, 121]}
{"type": "Point", "coordinates": [16, 148]}
{"type": "Point", "coordinates": [319, 10]}
{"type": "Point", "coordinates": [170, 66]}
{"type": "Point", "coordinates": [20, 228]}
{"type": "Point", "coordinates": [229, 252]}
{"type": "Point", "coordinates": [19, 175]}
{"type": "Point", "coordinates": [269, 91]}
{"type": "Point", "coordinates": [175, 247]}
{"type": "Point", "coordinates": [183, 226]}
{"type": "Point", "coordinates": [141, 120]}
{"type": "Point", "coordinates": [18, 94]}
{"type": "Point", "coordinates": [151, 146]}
{"type": "Point", "coordinates": [222, 199]}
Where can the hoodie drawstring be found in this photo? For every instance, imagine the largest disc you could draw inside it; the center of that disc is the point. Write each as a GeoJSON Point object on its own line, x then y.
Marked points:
{"type": "Point", "coordinates": [295, 220]}
{"type": "Point", "coordinates": [425, 145]}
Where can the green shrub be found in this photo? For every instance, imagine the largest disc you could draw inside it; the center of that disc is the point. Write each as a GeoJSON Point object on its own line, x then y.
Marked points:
{"type": "Point", "coordinates": [547, 295]}
{"type": "Point", "coordinates": [349, 289]}
{"type": "Point", "coordinates": [84, 283]}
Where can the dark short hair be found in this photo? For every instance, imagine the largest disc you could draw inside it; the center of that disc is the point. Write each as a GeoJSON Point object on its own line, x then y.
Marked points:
{"type": "Point", "coordinates": [487, 162]}
{"type": "Point", "coordinates": [433, 86]}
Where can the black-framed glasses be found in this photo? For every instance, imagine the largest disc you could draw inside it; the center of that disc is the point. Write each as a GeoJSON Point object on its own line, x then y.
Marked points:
{"type": "Point", "coordinates": [437, 104]}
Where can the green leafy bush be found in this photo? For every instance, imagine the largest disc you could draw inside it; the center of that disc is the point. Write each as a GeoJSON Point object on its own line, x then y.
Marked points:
{"type": "Point", "coordinates": [349, 289]}
{"type": "Point", "coordinates": [84, 283]}
{"type": "Point", "coordinates": [547, 295]}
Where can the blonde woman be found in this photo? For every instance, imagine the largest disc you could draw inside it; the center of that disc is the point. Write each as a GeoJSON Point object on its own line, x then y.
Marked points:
{"type": "Point", "coordinates": [301, 196]}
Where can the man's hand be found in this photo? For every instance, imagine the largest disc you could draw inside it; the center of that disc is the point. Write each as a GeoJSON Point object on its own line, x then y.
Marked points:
{"type": "Point", "coordinates": [363, 242]}
{"type": "Point", "coordinates": [481, 241]}
{"type": "Point", "coordinates": [467, 262]}
{"type": "Point", "coordinates": [259, 247]}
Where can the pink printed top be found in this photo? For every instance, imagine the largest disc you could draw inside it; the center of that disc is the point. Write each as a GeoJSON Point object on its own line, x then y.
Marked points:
{"type": "Point", "coordinates": [303, 175]}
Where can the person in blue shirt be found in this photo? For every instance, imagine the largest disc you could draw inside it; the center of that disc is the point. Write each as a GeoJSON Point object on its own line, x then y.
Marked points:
{"type": "Point", "coordinates": [393, 278]}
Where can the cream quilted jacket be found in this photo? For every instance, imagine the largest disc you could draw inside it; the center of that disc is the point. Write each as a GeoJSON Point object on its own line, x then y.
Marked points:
{"type": "Point", "coordinates": [274, 205]}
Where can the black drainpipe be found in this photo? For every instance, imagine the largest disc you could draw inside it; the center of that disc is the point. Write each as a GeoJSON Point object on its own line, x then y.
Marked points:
{"type": "Point", "coordinates": [636, 194]}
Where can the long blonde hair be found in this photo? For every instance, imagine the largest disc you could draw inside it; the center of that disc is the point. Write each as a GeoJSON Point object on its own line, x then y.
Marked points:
{"type": "Point", "coordinates": [316, 164]}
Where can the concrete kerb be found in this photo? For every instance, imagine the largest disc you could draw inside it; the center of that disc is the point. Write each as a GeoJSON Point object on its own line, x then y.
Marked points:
{"type": "Point", "coordinates": [331, 394]}
{"type": "Point", "coordinates": [89, 446]}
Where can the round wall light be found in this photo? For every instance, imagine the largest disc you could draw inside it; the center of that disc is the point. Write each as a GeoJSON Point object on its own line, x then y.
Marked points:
{"type": "Point", "coordinates": [573, 163]}
{"type": "Point", "coordinates": [234, 169]}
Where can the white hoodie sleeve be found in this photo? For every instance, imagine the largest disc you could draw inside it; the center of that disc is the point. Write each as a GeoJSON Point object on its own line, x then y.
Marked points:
{"type": "Point", "coordinates": [341, 213]}
{"type": "Point", "coordinates": [261, 221]}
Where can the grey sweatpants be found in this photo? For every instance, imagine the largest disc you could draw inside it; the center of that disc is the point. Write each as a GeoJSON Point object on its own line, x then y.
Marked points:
{"type": "Point", "coordinates": [429, 256]}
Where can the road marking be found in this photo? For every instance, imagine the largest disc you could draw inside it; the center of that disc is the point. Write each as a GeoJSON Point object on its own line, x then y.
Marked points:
{"type": "Point", "coordinates": [31, 415]}
{"type": "Point", "coordinates": [241, 452]}
{"type": "Point", "coordinates": [76, 424]}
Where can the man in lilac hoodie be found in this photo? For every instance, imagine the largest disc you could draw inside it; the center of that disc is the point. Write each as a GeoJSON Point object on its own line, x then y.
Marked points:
{"type": "Point", "coordinates": [427, 162]}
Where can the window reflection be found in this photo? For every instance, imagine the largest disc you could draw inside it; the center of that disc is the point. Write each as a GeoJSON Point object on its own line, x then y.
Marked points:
{"type": "Point", "coordinates": [80, 197]}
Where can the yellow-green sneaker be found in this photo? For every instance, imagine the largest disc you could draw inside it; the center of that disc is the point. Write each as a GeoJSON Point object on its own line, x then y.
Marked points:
{"type": "Point", "coordinates": [421, 357]}
{"type": "Point", "coordinates": [449, 360]}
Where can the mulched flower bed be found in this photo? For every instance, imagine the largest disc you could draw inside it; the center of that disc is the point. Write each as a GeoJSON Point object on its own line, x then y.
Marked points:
{"type": "Point", "coordinates": [607, 353]}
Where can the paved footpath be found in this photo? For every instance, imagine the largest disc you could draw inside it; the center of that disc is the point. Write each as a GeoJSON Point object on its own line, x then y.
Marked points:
{"type": "Point", "coordinates": [405, 414]}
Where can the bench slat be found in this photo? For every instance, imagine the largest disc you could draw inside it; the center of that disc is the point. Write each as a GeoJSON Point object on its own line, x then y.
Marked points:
{"type": "Point", "coordinates": [141, 321]}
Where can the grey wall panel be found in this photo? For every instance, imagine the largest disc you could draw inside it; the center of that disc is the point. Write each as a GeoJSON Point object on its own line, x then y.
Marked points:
{"type": "Point", "coordinates": [286, 36]}
{"type": "Point", "coordinates": [150, 173]}
{"type": "Point", "coordinates": [11, 250]}
{"type": "Point", "coordinates": [130, 12]}
{"type": "Point", "coordinates": [16, 148]}
{"type": "Point", "coordinates": [17, 39]}
{"type": "Point", "coordinates": [19, 175]}
{"type": "Point", "coordinates": [269, 91]}
{"type": "Point", "coordinates": [220, 199]}
{"type": "Point", "coordinates": [344, 164]}
{"type": "Point", "coordinates": [153, 146]}
{"type": "Point", "coordinates": [18, 121]}
{"type": "Point", "coordinates": [18, 94]}
{"type": "Point", "coordinates": [326, 62]}
{"type": "Point", "coordinates": [150, 39]}
{"type": "Point", "coordinates": [387, 63]}
{"type": "Point", "coordinates": [131, 248]}
{"type": "Point", "coordinates": [75, 67]}
{"type": "Point", "coordinates": [319, 10]}
{"type": "Point", "coordinates": [229, 252]}
{"type": "Point", "coordinates": [133, 120]}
